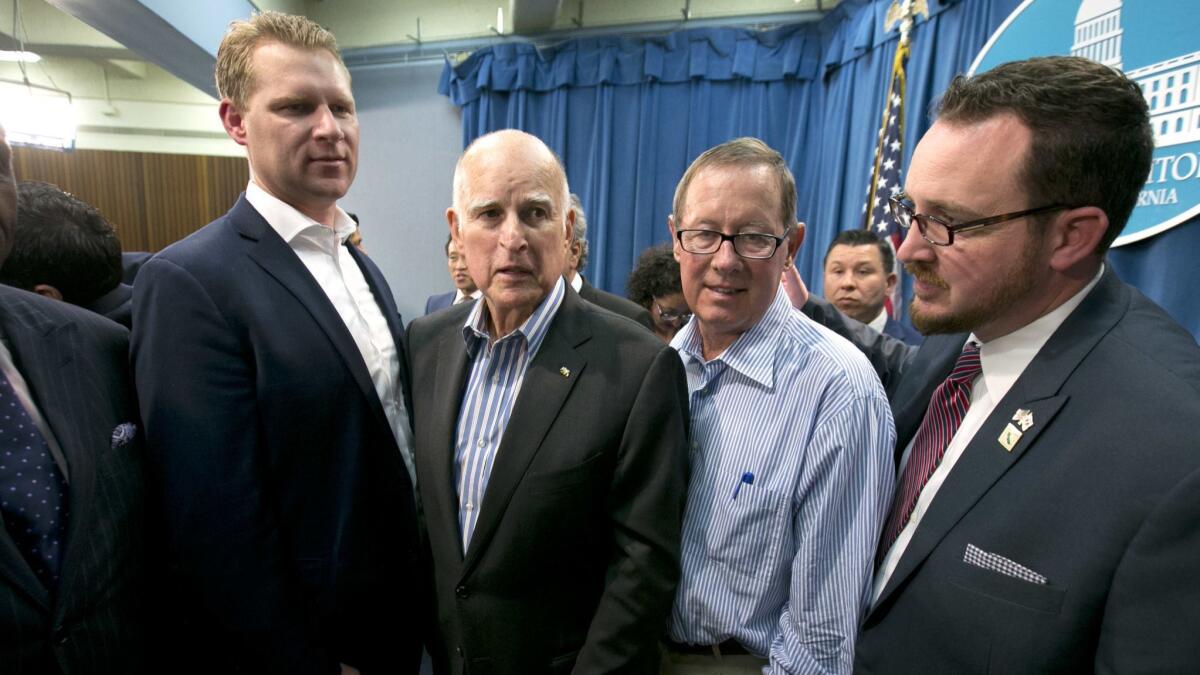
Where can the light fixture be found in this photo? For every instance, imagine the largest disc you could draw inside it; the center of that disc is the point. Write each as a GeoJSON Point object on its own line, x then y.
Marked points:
{"type": "Point", "coordinates": [18, 56]}
{"type": "Point", "coordinates": [37, 116]}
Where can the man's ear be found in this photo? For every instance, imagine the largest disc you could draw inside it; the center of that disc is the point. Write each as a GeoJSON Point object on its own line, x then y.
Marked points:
{"type": "Point", "coordinates": [570, 228]}
{"type": "Point", "coordinates": [674, 239]}
{"type": "Point", "coordinates": [48, 291]}
{"type": "Point", "coordinates": [233, 120]}
{"type": "Point", "coordinates": [794, 240]}
{"type": "Point", "coordinates": [890, 284]}
{"type": "Point", "coordinates": [452, 221]}
{"type": "Point", "coordinates": [1075, 234]}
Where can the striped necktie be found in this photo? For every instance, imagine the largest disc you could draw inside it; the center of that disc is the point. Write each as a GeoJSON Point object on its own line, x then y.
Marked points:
{"type": "Point", "coordinates": [945, 413]}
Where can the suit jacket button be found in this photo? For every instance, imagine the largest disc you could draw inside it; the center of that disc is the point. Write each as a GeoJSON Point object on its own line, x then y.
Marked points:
{"type": "Point", "coordinates": [60, 636]}
{"type": "Point", "coordinates": [461, 592]}
{"type": "Point", "coordinates": [458, 651]}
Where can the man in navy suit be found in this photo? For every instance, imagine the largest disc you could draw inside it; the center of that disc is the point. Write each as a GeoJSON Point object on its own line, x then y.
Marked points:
{"type": "Point", "coordinates": [464, 286]}
{"type": "Point", "coordinates": [72, 554]}
{"type": "Point", "coordinates": [271, 372]}
{"type": "Point", "coordinates": [859, 275]}
{"type": "Point", "coordinates": [1049, 492]}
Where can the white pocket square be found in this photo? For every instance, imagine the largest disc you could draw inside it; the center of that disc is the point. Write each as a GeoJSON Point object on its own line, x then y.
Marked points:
{"type": "Point", "coordinates": [999, 564]}
{"type": "Point", "coordinates": [123, 434]}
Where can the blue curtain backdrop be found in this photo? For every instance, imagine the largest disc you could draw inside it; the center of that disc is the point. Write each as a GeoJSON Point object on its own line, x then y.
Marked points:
{"type": "Point", "coordinates": [628, 115]}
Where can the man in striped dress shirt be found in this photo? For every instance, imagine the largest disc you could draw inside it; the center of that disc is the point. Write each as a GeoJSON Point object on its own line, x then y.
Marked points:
{"type": "Point", "coordinates": [551, 443]}
{"type": "Point", "coordinates": [791, 458]}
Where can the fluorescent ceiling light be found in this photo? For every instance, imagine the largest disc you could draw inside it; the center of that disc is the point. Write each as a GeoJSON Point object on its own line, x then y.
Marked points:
{"type": "Point", "coordinates": [22, 57]}
{"type": "Point", "coordinates": [37, 116]}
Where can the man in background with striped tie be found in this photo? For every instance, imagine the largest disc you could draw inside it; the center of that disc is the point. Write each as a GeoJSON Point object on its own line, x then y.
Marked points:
{"type": "Point", "coordinates": [791, 461]}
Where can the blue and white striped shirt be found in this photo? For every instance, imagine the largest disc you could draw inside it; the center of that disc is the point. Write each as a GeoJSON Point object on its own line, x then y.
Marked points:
{"type": "Point", "coordinates": [497, 370]}
{"type": "Point", "coordinates": [791, 478]}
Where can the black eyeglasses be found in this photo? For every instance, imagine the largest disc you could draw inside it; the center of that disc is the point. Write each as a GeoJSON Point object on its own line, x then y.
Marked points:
{"type": "Point", "coordinates": [669, 316]}
{"type": "Point", "coordinates": [752, 245]}
{"type": "Point", "coordinates": [940, 233]}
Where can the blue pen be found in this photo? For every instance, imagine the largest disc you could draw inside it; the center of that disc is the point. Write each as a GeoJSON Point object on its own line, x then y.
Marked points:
{"type": "Point", "coordinates": [747, 479]}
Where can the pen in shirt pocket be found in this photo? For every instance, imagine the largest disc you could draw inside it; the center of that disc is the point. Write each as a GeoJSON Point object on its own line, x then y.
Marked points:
{"type": "Point", "coordinates": [747, 479]}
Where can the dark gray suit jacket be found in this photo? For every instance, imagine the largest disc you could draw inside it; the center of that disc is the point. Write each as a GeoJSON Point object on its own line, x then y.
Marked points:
{"type": "Point", "coordinates": [1101, 495]}
{"type": "Point", "coordinates": [573, 563]}
{"type": "Point", "coordinates": [615, 304]}
{"type": "Point", "coordinates": [76, 365]}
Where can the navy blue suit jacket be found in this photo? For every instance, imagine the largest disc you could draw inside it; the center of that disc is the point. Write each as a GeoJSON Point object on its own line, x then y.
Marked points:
{"type": "Point", "coordinates": [440, 301]}
{"type": "Point", "coordinates": [902, 332]}
{"type": "Point", "coordinates": [1101, 495]}
{"type": "Point", "coordinates": [290, 514]}
{"type": "Point", "coordinates": [77, 369]}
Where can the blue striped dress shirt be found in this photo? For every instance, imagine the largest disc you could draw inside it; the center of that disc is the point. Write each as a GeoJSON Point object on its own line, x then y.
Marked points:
{"type": "Point", "coordinates": [791, 478]}
{"type": "Point", "coordinates": [497, 370]}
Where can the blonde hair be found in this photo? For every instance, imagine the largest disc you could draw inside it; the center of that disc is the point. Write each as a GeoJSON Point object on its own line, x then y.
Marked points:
{"type": "Point", "coordinates": [235, 65]}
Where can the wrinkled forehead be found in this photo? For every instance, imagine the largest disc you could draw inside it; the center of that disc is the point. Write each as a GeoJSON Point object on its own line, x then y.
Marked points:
{"type": "Point", "coordinates": [495, 170]}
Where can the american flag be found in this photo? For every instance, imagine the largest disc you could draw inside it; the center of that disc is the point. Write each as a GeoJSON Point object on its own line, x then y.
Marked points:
{"type": "Point", "coordinates": [885, 171]}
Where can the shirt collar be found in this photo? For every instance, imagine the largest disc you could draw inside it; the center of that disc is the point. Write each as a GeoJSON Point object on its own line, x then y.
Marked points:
{"type": "Point", "coordinates": [753, 353]}
{"type": "Point", "coordinates": [459, 295]}
{"type": "Point", "coordinates": [1005, 358]}
{"type": "Point", "coordinates": [533, 330]}
{"type": "Point", "coordinates": [290, 223]}
{"type": "Point", "coordinates": [577, 282]}
{"type": "Point", "coordinates": [880, 320]}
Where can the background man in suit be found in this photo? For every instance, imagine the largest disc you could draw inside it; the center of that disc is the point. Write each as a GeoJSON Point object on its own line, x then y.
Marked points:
{"type": "Point", "coordinates": [859, 276]}
{"type": "Point", "coordinates": [791, 472]}
{"type": "Point", "coordinates": [65, 249]}
{"type": "Point", "coordinates": [577, 253]}
{"type": "Point", "coordinates": [1045, 519]}
{"type": "Point", "coordinates": [72, 555]}
{"type": "Point", "coordinates": [272, 379]}
{"type": "Point", "coordinates": [464, 286]}
{"type": "Point", "coordinates": [550, 444]}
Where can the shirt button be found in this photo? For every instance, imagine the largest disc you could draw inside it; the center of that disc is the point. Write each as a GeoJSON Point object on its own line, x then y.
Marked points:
{"type": "Point", "coordinates": [461, 592]}
{"type": "Point", "coordinates": [469, 506]}
{"type": "Point", "coordinates": [479, 443]}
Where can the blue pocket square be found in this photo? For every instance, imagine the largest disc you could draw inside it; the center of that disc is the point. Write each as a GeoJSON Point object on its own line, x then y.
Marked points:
{"type": "Point", "coordinates": [123, 434]}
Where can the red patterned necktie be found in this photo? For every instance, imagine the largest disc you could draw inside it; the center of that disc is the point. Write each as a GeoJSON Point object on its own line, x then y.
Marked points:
{"type": "Point", "coordinates": [946, 411]}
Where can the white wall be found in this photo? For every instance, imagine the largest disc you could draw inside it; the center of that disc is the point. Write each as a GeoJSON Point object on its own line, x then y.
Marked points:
{"type": "Point", "coordinates": [410, 138]}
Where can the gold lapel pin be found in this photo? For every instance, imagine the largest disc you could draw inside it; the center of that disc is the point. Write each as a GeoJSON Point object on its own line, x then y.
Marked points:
{"type": "Point", "coordinates": [564, 371]}
{"type": "Point", "coordinates": [1023, 418]}
{"type": "Point", "coordinates": [1009, 437]}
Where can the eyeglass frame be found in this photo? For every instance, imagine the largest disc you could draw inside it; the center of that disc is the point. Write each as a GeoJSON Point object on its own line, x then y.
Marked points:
{"type": "Point", "coordinates": [732, 239]}
{"type": "Point", "coordinates": [672, 317]}
{"type": "Point", "coordinates": [895, 202]}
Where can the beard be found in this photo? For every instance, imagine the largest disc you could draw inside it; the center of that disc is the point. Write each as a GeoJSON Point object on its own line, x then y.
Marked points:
{"type": "Point", "coordinates": [995, 301]}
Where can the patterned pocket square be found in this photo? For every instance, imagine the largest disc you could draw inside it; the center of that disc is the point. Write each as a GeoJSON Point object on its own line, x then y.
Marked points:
{"type": "Point", "coordinates": [123, 434]}
{"type": "Point", "coordinates": [998, 563]}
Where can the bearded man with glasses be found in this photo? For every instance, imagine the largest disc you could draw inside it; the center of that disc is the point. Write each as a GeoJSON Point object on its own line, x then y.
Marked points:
{"type": "Point", "coordinates": [1047, 504]}
{"type": "Point", "coordinates": [791, 469]}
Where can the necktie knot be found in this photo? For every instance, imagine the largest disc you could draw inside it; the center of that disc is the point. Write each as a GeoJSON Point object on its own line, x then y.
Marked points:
{"type": "Point", "coordinates": [968, 365]}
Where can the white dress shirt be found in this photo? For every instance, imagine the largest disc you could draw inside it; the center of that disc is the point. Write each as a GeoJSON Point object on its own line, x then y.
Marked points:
{"type": "Point", "coordinates": [459, 296]}
{"type": "Point", "coordinates": [880, 321]}
{"type": "Point", "coordinates": [322, 251]}
{"type": "Point", "coordinates": [1002, 361]}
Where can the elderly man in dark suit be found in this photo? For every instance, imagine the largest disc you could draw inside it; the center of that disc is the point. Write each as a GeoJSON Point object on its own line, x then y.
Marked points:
{"type": "Point", "coordinates": [551, 443]}
{"type": "Point", "coordinates": [271, 373]}
{"type": "Point", "coordinates": [72, 566]}
{"type": "Point", "coordinates": [1049, 493]}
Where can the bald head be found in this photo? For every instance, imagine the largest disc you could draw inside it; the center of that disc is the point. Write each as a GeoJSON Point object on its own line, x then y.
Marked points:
{"type": "Point", "coordinates": [512, 219]}
{"type": "Point", "coordinates": [511, 147]}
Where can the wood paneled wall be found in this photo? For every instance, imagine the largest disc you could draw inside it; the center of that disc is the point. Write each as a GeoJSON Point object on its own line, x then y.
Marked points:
{"type": "Point", "coordinates": [151, 199]}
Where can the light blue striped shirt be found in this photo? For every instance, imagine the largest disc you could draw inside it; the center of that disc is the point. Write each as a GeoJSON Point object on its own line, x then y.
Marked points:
{"type": "Point", "coordinates": [791, 478]}
{"type": "Point", "coordinates": [497, 370]}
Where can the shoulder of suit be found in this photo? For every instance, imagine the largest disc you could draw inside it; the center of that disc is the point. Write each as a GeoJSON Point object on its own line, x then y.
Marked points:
{"type": "Point", "coordinates": [33, 311]}
{"type": "Point", "coordinates": [1148, 344]}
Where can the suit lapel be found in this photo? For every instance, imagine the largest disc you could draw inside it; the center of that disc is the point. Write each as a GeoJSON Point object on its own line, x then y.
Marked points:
{"type": "Point", "coordinates": [387, 305]}
{"type": "Point", "coordinates": [277, 259]}
{"type": "Point", "coordinates": [985, 460]}
{"type": "Point", "coordinates": [438, 457]}
{"type": "Point", "coordinates": [543, 393]}
{"type": "Point", "coordinates": [42, 351]}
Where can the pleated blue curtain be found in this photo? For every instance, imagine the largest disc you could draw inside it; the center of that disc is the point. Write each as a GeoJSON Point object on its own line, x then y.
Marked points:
{"type": "Point", "coordinates": [628, 115]}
